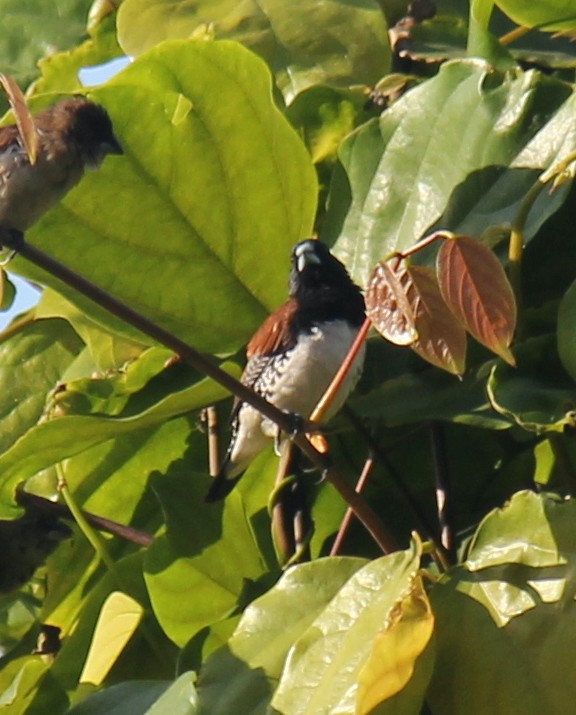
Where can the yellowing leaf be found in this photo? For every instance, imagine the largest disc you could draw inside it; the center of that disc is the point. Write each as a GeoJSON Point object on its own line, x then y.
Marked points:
{"type": "Point", "coordinates": [23, 117]}
{"type": "Point", "coordinates": [441, 338]}
{"type": "Point", "coordinates": [117, 622]}
{"type": "Point", "coordinates": [396, 649]}
{"type": "Point", "coordinates": [476, 289]}
{"type": "Point", "coordinates": [387, 304]}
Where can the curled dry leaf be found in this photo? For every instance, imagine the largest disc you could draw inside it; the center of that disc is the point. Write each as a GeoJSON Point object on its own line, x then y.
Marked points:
{"type": "Point", "coordinates": [441, 339]}
{"type": "Point", "coordinates": [387, 303]}
{"type": "Point", "coordinates": [24, 119]}
{"type": "Point", "coordinates": [475, 287]}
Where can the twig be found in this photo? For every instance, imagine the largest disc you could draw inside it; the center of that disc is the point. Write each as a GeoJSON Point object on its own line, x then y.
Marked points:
{"type": "Point", "coordinates": [15, 242]}
{"type": "Point", "coordinates": [281, 519]}
{"type": "Point", "coordinates": [516, 244]}
{"type": "Point", "coordinates": [211, 416]}
{"type": "Point", "coordinates": [338, 379]}
{"type": "Point", "coordinates": [347, 520]}
{"type": "Point", "coordinates": [443, 495]}
{"type": "Point", "coordinates": [45, 506]}
{"type": "Point", "coordinates": [421, 521]}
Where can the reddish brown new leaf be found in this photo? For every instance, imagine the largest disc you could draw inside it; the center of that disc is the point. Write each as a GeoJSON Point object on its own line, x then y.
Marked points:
{"type": "Point", "coordinates": [387, 304]}
{"type": "Point", "coordinates": [476, 289]}
{"type": "Point", "coordinates": [22, 114]}
{"type": "Point", "coordinates": [441, 338]}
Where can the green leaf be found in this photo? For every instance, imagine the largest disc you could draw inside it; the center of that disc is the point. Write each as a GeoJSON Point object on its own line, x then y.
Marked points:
{"type": "Point", "coordinates": [407, 398]}
{"type": "Point", "coordinates": [404, 168]}
{"type": "Point", "coordinates": [215, 554]}
{"type": "Point", "coordinates": [566, 334]}
{"type": "Point", "coordinates": [112, 480]}
{"type": "Point", "coordinates": [32, 361]}
{"type": "Point", "coordinates": [126, 698]}
{"type": "Point", "coordinates": [516, 607]}
{"type": "Point", "coordinates": [60, 70]}
{"type": "Point", "coordinates": [117, 622]}
{"type": "Point", "coordinates": [51, 442]}
{"type": "Point", "coordinates": [537, 394]}
{"type": "Point", "coordinates": [180, 698]}
{"type": "Point", "coordinates": [548, 15]}
{"type": "Point", "coordinates": [241, 676]}
{"type": "Point", "coordinates": [203, 218]}
{"type": "Point", "coordinates": [305, 43]}
{"type": "Point", "coordinates": [107, 349]}
{"type": "Point", "coordinates": [321, 674]}
{"type": "Point", "coordinates": [31, 30]}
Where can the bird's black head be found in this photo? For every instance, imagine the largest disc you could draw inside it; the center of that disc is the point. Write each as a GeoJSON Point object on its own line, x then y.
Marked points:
{"type": "Point", "coordinates": [90, 127]}
{"type": "Point", "coordinates": [321, 286]}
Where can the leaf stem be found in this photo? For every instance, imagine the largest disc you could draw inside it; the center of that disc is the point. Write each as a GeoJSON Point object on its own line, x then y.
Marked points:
{"type": "Point", "coordinates": [15, 242]}
{"type": "Point", "coordinates": [92, 537]}
{"type": "Point", "coordinates": [516, 244]}
{"type": "Point", "coordinates": [338, 379]}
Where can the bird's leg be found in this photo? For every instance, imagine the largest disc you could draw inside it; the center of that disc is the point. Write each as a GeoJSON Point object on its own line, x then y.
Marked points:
{"type": "Point", "coordinates": [297, 426]}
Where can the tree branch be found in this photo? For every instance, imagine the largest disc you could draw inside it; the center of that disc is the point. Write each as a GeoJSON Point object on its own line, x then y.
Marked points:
{"type": "Point", "coordinates": [15, 241]}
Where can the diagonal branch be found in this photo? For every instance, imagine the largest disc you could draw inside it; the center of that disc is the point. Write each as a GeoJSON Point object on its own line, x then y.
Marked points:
{"type": "Point", "coordinates": [14, 241]}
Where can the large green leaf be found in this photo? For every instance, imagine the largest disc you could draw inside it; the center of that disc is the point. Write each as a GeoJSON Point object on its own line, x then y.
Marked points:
{"type": "Point", "coordinates": [507, 617]}
{"type": "Point", "coordinates": [404, 168]}
{"type": "Point", "coordinates": [197, 572]}
{"type": "Point", "coordinates": [305, 43]}
{"type": "Point", "coordinates": [321, 674]}
{"type": "Point", "coordinates": [194, 225]}
{"type": "Point", "coordinates": [242, 676]}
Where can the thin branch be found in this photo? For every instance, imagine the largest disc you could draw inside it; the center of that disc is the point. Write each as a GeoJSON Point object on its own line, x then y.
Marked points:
{"type": "Point", "coordinates": [211, 417]}
{"type": "Point", "coordinates": [46, 506]}
{"type": "Point", "coordinates": [422, 522]}
{"type": "Point", "coordinates": [15, 241]}
{"type": "Point", "coordinates": [338, 379]}
{"type": "Point", "coordinates": [443, 490]}
{"type": "Point", "coordinates": [348, 516]}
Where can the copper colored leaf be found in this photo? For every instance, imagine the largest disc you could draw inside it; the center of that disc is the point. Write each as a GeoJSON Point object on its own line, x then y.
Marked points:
{"type": "Point", "coordinates": [475, 287]}
{"type": "Point", "coordinates": [22, 114]}
{"type": "Point", "coordinates": [387, 304]}
{"type": "Point", "coordinates": [441, 339]}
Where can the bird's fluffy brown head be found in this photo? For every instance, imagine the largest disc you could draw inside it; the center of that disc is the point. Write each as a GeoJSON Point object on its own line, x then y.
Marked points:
{"type": "Point", "coordinates": [86, 124]}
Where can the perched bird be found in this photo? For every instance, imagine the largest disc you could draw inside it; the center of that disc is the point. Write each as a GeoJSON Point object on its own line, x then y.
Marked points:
{"type": "Point", "coordinates": [73, 135]}
{"type": "Point", "coordinates": [294, 355]}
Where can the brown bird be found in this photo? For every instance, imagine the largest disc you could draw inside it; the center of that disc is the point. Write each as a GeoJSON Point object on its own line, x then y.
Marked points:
{"type": "Point", "coordinates": [74, 135]}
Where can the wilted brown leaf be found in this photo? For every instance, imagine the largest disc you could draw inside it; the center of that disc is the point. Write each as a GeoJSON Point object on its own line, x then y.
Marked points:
{"type": "Point", "coordinates": [441, 339]}
{"type": "Point", "coordinates": [475, 287]}
{"type": "Point", "coordinates": [387, 304]}
{"type": "Point", "coordinates": [22, 114]}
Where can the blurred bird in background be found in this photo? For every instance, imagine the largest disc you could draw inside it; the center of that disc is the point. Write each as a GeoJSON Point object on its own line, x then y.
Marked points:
{"type": "Point", "coordinates": [72, 136]}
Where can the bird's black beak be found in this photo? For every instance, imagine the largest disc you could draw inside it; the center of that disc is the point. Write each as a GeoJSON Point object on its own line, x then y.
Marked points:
{"type": "Point", "coordinates": [111, 146]}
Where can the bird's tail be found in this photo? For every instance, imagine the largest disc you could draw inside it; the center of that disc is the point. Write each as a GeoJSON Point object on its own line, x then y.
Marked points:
{"type": "Point", "coordinates": [221, 486]}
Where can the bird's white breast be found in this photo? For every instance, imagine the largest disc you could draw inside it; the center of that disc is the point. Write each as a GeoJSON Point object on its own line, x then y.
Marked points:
{"type": "Point", "coordinates": [311, 365]}
{"type": "Point", "coordinates": [294, 382]}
